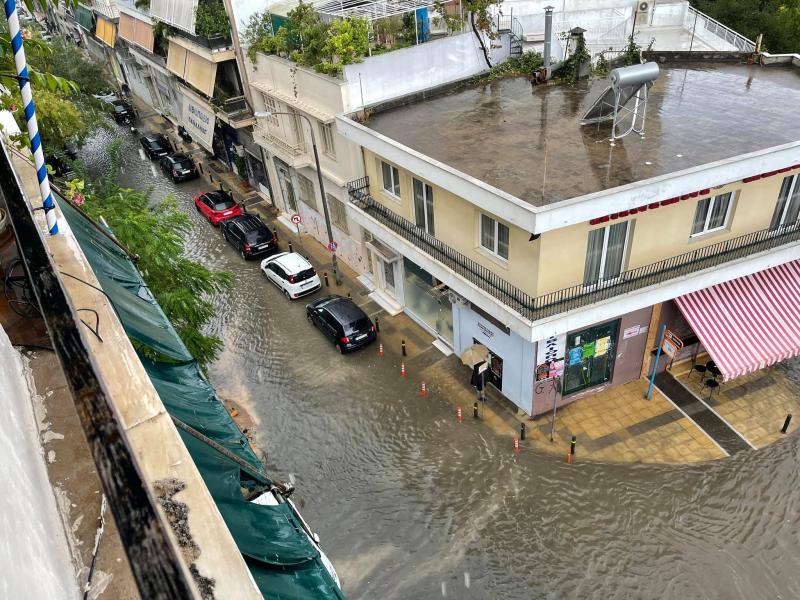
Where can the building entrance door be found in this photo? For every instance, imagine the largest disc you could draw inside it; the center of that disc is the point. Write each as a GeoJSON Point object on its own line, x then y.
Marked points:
{"type": "Point", "coordinates": [287, 187]}
{"type": "Point", "coordinates": [388, 277]}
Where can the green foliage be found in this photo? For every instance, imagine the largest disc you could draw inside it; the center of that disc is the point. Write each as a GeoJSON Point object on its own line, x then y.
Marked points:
{"type": "Point", "coordinates": [211, 20]}
{"type": "Point", "coordinates": [142, 4]}
{"type": "Point", "coordinates": [571, 68]}
{"type": "Point", "coordinates": [67, 61]}
{"type": "Point", "coordinates": [258, 26]}
{"type": "Point", "coordinates": [60, 120]}
{"type": "Point", "coordinates": [311, 42]}
{"type": "Point", "coordinates": [480, 11]}
{"type": "Point", "coordinates": [632, 51]}
{"type": "Point", "coordinates": [524, 65]}
{"type": "Point", "coordinates": [155, 231]}
{"type": "Point", "coordinates": [347, 40]}
{"type": "Point", "coordinates": [778, 20]}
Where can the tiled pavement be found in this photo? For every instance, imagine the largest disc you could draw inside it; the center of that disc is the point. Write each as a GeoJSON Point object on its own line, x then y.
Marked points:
{"type": "Point", "coordinates": [755, 405]}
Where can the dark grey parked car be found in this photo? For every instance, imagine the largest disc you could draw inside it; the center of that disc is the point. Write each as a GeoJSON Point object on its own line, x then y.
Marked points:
{"type": "Point", "coordinates": [249, 235]}
{"type": "Point", "coordinates": [342, 322]}
{"type": "Point", "coordinates": [155, 145]}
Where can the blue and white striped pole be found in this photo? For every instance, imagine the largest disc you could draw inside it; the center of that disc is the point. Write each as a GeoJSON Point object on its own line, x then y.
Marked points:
{"type": "Point", "coordinates": [30, 114]}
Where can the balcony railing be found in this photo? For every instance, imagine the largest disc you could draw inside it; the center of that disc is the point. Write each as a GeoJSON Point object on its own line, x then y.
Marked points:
{"type": "Point", "coordinates": [579, 295]}
{"type": "Point", "coordinates": [694, 18]}
{"type": "Point", "coordinates": [214, 43]}
{"type": "Point", "coordinates": [297, 149]}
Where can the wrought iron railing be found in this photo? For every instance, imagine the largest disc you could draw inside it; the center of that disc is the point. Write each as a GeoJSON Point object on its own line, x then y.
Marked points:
{"type": "Point", "coordinates": [579, 295]}
{"type": "Point", "coordinates": [236, 107]}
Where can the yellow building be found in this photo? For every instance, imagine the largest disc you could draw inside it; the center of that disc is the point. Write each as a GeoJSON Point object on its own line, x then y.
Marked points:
{"type": "Point", "coordinates": [497, 217]}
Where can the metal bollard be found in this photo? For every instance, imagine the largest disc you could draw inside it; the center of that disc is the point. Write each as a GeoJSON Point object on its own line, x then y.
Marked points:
{"type": "Point", "coordinates": [275, 234]}
{"type": "Point", "coordinates": [377, 326]}
{"type": "Point", "coordinates": [572, 445]}
{"type": "Point", "coordinates": [403, 346]}
{"type": "Point", "coordinates": [327, 283]}
{"type": "Point", "coordinates": [522, 431]}
{"type": "Point", "coordinates": [200, 168]}
{"type": "Point", "coordinates": [290, 247]}
{"type": "Point", "coordinates": [788, 420]}
{"type": "Point", "coordinates": [475, 410]}
{"type": "Point", "coordinates": [349, 295]}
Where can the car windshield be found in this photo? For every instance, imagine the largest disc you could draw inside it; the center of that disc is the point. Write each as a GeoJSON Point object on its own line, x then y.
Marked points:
{"type": "Point", "coordinates": [361, 324]}
{"type": "Point", "coordinates": [183, 163]}
{"type": "Point", "coordinates": [120, 108]}
{"type": "Point", "coordinates": [303, 275]}
{"type": "Point", "coordinates": [156, 143]}
{"type": "Point", "coordinates": [223, 204]}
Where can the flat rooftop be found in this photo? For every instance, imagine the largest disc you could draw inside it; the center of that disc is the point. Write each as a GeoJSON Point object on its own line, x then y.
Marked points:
{"type": "Point", "coordinates": [527, 140]}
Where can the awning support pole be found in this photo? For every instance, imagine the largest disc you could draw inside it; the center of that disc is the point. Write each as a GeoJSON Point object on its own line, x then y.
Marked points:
{"type": "Point", "coordinates": [655, 364]}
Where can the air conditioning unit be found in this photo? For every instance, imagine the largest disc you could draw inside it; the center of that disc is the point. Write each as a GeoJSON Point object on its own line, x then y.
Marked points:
{"type": "Point", "coordinates": [643, 12]}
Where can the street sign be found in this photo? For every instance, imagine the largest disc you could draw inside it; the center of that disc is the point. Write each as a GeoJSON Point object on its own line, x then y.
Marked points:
{"type": "Point", "coordinates": [296, 219]}
{"type": "Point", "coordinates": [671, 344]}
{"type": "Point", "coordinates": [333, 246]}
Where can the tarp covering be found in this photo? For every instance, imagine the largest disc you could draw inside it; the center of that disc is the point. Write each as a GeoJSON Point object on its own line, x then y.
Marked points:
{"type": "Point", "coordinates": [282, 559]}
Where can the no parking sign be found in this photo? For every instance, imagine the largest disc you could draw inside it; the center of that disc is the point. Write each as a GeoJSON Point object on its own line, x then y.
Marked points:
{"type": "Point", "coordinates": [333, 246]}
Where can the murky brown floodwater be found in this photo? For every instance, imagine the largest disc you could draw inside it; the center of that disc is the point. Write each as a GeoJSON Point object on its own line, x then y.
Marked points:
{"type": "Point", "coordinates": [411, 505]}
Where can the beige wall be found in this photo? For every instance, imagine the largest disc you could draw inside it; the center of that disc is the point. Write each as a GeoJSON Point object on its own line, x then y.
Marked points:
{"type": "Point", "coordinates": [557, 259]}
{"type": "Point", "coordinates": [658, 234]}
{"type": "Point", "coordinates": [456, 224]}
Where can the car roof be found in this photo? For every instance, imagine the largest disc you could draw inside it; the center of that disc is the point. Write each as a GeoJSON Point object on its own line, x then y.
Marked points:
{"type": "Point", "coordinates": [292, 262]}
{"type": "Point", "coordinates": [248, 222]}
{"type": "Point", "coordinates": [153, 137]}
{"type": "Point", "coordinates": [218, 196]}
{"type": "Point", "coordinates": [177, 157]}
{"type": "Point", "coordinates": [345, 309]}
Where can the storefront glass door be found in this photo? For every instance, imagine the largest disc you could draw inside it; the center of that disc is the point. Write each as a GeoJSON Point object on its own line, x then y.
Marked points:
{"type": "Point", "coordinates": [590, 357]}
{"type": "Point", "coordinates": [287, 188]}
{"type": "Point", "coordinates": [427, 301]}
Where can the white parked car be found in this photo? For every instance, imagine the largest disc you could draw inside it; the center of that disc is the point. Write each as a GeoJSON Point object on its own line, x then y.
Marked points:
{"type": "Point", "coordinates": [292, 273]}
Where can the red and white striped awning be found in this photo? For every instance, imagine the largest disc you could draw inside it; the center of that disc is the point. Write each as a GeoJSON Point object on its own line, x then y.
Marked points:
{"type": "Point", "coordinates": [748, 323]}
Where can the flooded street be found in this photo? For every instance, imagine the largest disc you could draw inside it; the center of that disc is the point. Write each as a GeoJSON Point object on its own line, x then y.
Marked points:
{"type": "Point", "coordinates": [410, 504]}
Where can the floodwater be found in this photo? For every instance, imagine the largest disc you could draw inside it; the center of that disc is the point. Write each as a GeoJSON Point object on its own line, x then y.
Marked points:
{"type": "Point", "coordinates": [410, 504]}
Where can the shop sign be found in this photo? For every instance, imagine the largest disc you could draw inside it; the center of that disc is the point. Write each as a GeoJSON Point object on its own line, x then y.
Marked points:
{"type": "Point", "coordinates": [630, 332]}
{"type": "Point", "coordinates": [575, 356]}
{"type": "Point", "coordinates": [199, 119]}
{"type": "Point", "coordinates": [485, 330]}
{"type": "Point", "coordinates": [671, 344]}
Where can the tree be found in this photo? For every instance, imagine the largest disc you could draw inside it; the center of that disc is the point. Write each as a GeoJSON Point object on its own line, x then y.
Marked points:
{"type": "Point", "coordinates": [155, 231]}
{"type": "Point", "coordinates": [777, 20]}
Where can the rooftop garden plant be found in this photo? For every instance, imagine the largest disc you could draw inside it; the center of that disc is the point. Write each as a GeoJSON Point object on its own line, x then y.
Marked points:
{"type": "Point", "coordinates": [211, 20]}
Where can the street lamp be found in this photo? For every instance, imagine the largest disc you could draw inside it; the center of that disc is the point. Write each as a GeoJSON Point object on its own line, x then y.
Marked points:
{"type": "Point", "coordinates": [334, 264]}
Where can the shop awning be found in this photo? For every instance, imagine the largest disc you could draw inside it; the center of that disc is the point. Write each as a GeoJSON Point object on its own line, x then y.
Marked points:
{"type": "Point", "coordinates": [748, 323]}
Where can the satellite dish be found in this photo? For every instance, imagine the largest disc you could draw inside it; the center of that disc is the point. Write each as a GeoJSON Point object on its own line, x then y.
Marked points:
{"type": "Point", "coordinates": [627, 83]}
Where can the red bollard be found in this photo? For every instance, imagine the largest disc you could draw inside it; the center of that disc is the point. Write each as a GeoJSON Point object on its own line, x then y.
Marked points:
{"type": "Point", "coordinates": [380, 350]}
{"type": "Point", "coordinates": [424, 390]}
{"type": "Point", "coordinates": [458, 414]}
{"type": "Point", "coordinates": [516, 445]}
{"type": "Point", "coordinates": [569, 457]}
{"type": "Point", "coordinates": [403, 370]}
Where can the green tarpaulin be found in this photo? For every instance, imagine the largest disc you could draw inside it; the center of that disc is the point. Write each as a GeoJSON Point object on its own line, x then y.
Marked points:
{"type": "Point", "coordinates": [283, 561]}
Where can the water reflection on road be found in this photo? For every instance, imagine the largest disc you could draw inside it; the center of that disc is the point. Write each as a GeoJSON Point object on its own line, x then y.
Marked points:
{"type": "Point", "coordinates": [409, 504]}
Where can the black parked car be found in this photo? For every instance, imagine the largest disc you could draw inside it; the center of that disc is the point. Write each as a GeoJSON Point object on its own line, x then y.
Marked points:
{"type": "Point", "coordinates": [155, 145]}
{"type": "Point", "coordinates": [123, 113]}
{"type": "Point", "coordinates": [342, 322]}
{"type": "Point", "coordinates": [179, 166]}
{"type": "Point", "coordinates": [249, 235]}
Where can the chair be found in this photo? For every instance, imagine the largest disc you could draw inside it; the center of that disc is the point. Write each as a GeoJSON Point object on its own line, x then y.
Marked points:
{"type": "Point", "coordinates": [701, 369]}
{"type": "Point", "coordinates": [713, 370]}
{"type": "Point", "coordinates": [711, 384]}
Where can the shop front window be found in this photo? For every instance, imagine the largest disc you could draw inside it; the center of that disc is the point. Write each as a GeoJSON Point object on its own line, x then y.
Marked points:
{"type": "Point", "coordinates": [428, 300]}
{"type": "Point", "coordinates": [590, 357]}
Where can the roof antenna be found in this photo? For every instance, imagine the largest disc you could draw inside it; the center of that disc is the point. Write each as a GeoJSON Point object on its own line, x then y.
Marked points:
{"type": "Point", "coordinates": [627, 83]}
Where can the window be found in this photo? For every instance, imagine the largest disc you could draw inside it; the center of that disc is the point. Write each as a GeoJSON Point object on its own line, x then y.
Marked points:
{"type": "Point", "coordinates": [338, 213]}
{"type": "Point", "coordinates": [271, 107]}
{"type": "Point", "coordinates": [494, 236]}
{"type": "Point", "coordinates": [788, 208]}
{"type": "Point", "coordinates": [307, 195]}
{"type": "Point", "coordinates": [712, 214]}
{"type": "Point", "coordinates": [391, 179]}
{"type": "Point", "coordinates": [326, 133]}
{"type": "Point", "coordinates": [423, 206]}
{"type": "Point", "coordinates": [605, 253]}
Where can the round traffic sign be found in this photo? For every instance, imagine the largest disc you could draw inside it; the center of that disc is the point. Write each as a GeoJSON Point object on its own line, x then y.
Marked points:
{"type": "Point", "coordinates": [333, 246]}
{"type": "Point", "coordinates": [296, 219]}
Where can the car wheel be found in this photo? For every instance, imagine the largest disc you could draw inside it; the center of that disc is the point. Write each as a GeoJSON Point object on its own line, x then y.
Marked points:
{"type": "Point", "coordinates": [224, 235]}
{"type": "Point", "coordinates": [341, 348]}
{"type": "Point", "coordinates": [308, 317]}
{"type": "Point", "coordinates": [286, 293]}
{"type": "Point", "coordinates": [241, 252]}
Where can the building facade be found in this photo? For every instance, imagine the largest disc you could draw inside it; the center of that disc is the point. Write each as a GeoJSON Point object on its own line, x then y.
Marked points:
{"type": "Point", "coordinates": [499, 219]}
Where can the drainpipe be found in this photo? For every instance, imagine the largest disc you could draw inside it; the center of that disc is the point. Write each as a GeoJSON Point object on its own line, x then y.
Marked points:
{"type": "Point", "coordinates": [548, 34]}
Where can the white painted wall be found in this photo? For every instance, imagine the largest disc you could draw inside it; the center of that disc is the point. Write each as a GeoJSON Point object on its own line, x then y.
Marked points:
{"type": "Point", "coordinates": [417, 68]}
{"type": "Point", "coordinates": [34, 554]}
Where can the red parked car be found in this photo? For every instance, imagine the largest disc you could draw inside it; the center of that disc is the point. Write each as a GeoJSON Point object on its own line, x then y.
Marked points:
{"type": "Point", "coordinates": [217, 206]}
